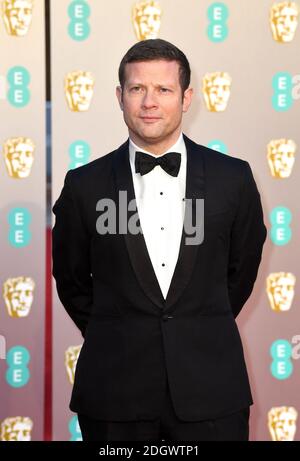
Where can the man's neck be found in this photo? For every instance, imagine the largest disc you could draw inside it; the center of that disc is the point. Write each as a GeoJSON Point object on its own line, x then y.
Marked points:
{"type": "Point", "coordinates": [155, 148]}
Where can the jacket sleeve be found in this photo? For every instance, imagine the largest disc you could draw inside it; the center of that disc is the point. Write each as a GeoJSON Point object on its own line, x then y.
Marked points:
{"type": "Point", "coordinates": [248, 235]}
{"type": "Point", "coordinates": [70, 254]}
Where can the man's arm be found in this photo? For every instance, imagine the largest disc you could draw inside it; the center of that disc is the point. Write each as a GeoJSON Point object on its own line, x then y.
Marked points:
{"type": "Point", "coordinates": [247, 238]}
{"type": "Point", "coordinates": [71, 262]}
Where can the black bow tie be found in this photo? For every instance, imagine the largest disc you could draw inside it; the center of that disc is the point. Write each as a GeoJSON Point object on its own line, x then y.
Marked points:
{"type": "Point", "coordinates": [170, 162]}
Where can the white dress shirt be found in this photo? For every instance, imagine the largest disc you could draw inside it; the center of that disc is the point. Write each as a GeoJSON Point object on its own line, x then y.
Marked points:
{"type": "Point", "coordinates": [160, 204]}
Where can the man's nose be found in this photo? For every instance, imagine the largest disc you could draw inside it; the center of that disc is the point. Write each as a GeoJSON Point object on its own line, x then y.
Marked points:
{"type": "Point", "coordinates": [149, 100]}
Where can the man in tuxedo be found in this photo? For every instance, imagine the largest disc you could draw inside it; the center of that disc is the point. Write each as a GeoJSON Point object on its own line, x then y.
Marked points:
{"type": "Point", "coordinates": [162, 357]}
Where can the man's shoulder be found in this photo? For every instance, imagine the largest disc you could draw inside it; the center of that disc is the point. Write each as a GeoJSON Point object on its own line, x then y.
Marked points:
{"type": "Point", "coordinates": [100, 167]}
{"type": "Point", "coordinates": [218, 161]}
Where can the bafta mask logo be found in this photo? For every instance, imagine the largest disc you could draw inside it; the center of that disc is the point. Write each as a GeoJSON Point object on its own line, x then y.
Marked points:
{"type": "Point", "coordinates": [17, 15]}
{"type": "Point", "coordinates": [16, 429]}
{"type": "Point", "coordinates": [284, 21]}
{"type": "Point", "coordinates": [216, 90]}
{"type": "Point", "coordinates": [282, 423]}
{"type": "Point", "coordinates": [281, 290]}
{"type": "Point", "coordinates": [71, 357]}
{"type": "Point", "coordinates": [18, 296]}
{"type": "Point", "coordinates": [146, 18]}
{"type": "Point", "coordinates": [19, 157]}
{"type": "Point", "coordinates": [281, 157]}
{"type": "Point", "coordinates": [79, 89]}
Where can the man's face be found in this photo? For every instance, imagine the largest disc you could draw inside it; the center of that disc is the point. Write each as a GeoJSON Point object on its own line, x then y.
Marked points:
{"type": "Point", "coordinates": [152, 101]}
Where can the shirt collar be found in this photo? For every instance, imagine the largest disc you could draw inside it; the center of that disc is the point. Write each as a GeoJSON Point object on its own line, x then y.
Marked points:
{"type": "Point", "coordinates": [179, 146]}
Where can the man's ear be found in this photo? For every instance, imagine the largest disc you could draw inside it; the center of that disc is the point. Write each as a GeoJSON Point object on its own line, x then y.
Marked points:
{"type": "Point", "coordinates": [119, 95]}
{"type": "Point", "coordinates": [187, 99]}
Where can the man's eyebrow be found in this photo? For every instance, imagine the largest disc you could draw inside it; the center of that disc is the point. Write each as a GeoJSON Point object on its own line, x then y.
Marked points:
{"type": "Point", "coordinates": [170, 85]}
{"type": "Point", "coordinates": [134, 83]}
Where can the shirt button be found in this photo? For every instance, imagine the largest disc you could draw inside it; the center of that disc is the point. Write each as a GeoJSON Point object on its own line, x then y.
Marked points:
{"type": "Point", "coordinates": [161, 193]}
{"type": "Point", "coordinates": [163, 264]}
{"type": "Point", "coordinates": [162, 228]}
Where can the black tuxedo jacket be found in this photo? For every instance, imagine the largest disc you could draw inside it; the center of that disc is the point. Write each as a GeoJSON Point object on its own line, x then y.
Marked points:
{"type": "Point", "coordinates": [133, 337]}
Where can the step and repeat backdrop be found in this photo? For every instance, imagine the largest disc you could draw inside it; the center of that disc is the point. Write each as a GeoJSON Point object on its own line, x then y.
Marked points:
{"type": "Point", "coordinates": [245, 66]}
{"type": "Point", "coordinates": [22, 219]}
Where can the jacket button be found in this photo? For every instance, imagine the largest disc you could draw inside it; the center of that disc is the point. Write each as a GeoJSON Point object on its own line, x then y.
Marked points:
{"type": "Point", "coordinates": [166, 317]}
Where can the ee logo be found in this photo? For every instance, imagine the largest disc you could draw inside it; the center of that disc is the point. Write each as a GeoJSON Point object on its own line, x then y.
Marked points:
{"type": "Point", "coordinates": [74, 429]}
{"type": "Point", "coordinates": [79, 12]}
{"type": "Point", "coordinates": [18, 374]}
{"type": "Point", "coordinates": [281, 232]}
{"type": "Point", "coordinates": [79, 153]}
{"type": "Point", "coordinates": [19, 233]}
{"type": "Point", "coordinates": [218, 145]}
{"type": "Point", "coordinates": [18, 81]}
{"type": "Point", "coordinates": [282, 99]}
{"type": "Point", "coordinates": [217, 29]}
{"type": "Point", "coordinates": [281, 352]}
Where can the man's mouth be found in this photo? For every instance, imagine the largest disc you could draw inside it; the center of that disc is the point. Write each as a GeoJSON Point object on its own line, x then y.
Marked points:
{"type": "Point", "coordinates": [150, 119]}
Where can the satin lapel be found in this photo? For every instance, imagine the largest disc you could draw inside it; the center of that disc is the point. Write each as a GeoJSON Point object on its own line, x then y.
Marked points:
{"type": "Point", "coordinates": [195, 189]}
{"type": "Point", "coordinates": [136, 245]}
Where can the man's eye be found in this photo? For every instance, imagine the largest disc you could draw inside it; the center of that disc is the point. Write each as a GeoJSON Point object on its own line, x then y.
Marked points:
{"type": "Point", "coordinates": [135, 89]}
{"type": "Point", "coordinates": [164, 90]}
